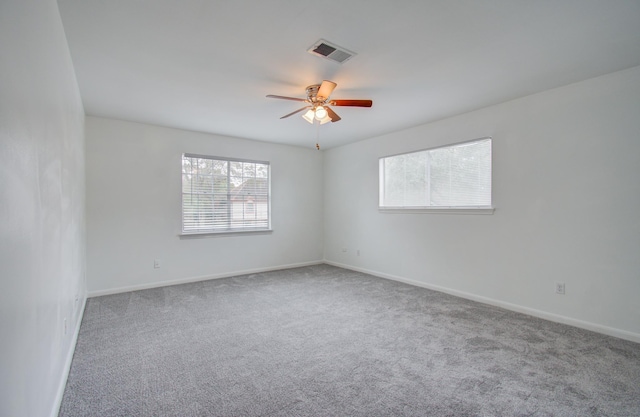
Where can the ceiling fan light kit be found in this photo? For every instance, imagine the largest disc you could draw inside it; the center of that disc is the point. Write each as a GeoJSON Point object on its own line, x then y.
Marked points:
{"type": "Point", "coordinates": [309, 116]}
{"type": "Point", "coordinates": [321, 113]}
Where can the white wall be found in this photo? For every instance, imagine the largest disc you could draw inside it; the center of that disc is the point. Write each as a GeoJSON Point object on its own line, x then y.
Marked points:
{"type": "Point", "coordinates": [42, 261]}
{"type": "Point", "coordinates": [134, 212]}
{"type": "Point", "coordinates": [566, 187]}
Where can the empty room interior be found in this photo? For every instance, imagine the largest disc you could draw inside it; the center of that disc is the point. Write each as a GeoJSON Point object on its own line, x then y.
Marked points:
{"type": "Point", "coordinates": [302, 208]}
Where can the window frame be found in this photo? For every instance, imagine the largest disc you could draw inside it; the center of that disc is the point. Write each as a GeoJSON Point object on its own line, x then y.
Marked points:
{"type": "Point", "coordinates": [231, 230]}
{"type": "Point", "coordinates": [488, 209]}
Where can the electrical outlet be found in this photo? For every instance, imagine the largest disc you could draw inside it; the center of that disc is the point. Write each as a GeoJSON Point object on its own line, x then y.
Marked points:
{"type": "Point", "coordinates": [560, 288]}
{"type": "Point", "coordinates": [358, 252]}
{"type": "Point", "coordinates": [156, 263]}
{"type": "Point", "coordinates": [64, 325]}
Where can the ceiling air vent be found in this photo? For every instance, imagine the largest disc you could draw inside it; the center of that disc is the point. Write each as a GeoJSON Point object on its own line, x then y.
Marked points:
{"type": "Point", "coordinates": [330, 51]}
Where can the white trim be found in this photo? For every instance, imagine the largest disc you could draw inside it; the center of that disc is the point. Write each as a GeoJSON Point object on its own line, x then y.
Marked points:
{"type": "Point", "coordinates": [168, 283]}
{"type": "Point", "coordinates": [437, 210]}
{"type": "Point", "coordinates": [598, 328]}
{"type": "Point", "coordinates": [196, 235]}
{"type": "Point", "coordinates": [67, 364]}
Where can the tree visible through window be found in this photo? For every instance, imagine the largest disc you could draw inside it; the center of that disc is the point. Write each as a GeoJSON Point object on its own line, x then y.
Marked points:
{"type": "Point", "coordinates": [224, 195]}
{"type": "Point", "coordinates": [452, 176]}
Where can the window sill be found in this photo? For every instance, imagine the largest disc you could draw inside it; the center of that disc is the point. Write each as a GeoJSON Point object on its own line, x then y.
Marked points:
{"type": "Point", "coordinates": [437, 210]}
{"type": "Point", "coordinates": [204, 235]}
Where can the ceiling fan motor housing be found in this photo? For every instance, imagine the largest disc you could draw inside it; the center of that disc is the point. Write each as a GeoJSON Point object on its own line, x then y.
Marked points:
{"type": "Point", "coordinates": [312, 94]}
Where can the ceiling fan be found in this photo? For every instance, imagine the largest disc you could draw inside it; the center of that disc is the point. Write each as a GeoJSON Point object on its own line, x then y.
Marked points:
{"type": "Point", "coordinates": [318, 103]}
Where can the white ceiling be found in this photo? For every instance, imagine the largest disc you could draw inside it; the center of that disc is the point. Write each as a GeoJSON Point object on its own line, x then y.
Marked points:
{"type": "Point", "coordinates": [207, 65]}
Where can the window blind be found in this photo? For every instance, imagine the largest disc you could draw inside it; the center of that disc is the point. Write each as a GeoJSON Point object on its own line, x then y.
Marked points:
{"type": "Point", "coordinates": [224, 195]}
{"type": "Point", "coordinates": [452, 176]}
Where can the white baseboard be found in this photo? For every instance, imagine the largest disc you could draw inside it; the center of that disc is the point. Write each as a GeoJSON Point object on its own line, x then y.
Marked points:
{"type": "Point", "coordinates": [158, 284]}
{"type": "Point", "coordinates": [598, 328]}
{"type": "Point", "coordinates": [610, 331]}
{"type": "Point", "coordinates": [67, 363]}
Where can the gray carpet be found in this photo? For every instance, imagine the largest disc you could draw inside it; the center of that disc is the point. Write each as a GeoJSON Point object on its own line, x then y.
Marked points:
{"type": "Point", "coordinates": [325, 341]}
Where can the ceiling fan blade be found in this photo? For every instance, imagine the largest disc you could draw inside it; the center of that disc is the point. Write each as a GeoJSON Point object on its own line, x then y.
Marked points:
{"type": "Point", "coordinates": [294, 112]}
{"type": "Point", "coordinates": [353, 103]}
{"type": "Point", "coordinates": [286, 98]}
{"type": "Point", "coordinates": [332, 115]}
{"type": "Point", "coordinates": [326, 88]}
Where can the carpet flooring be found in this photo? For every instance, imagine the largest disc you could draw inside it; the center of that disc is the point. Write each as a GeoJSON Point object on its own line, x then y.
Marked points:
{"type": "Point", "coordinates": [325, 341]}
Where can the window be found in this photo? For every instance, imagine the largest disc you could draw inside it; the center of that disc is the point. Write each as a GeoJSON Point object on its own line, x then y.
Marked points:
{"type": "Point", "coordinates": [224, 195]}
{"type": "Point", "coordinates": [456, 176]}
